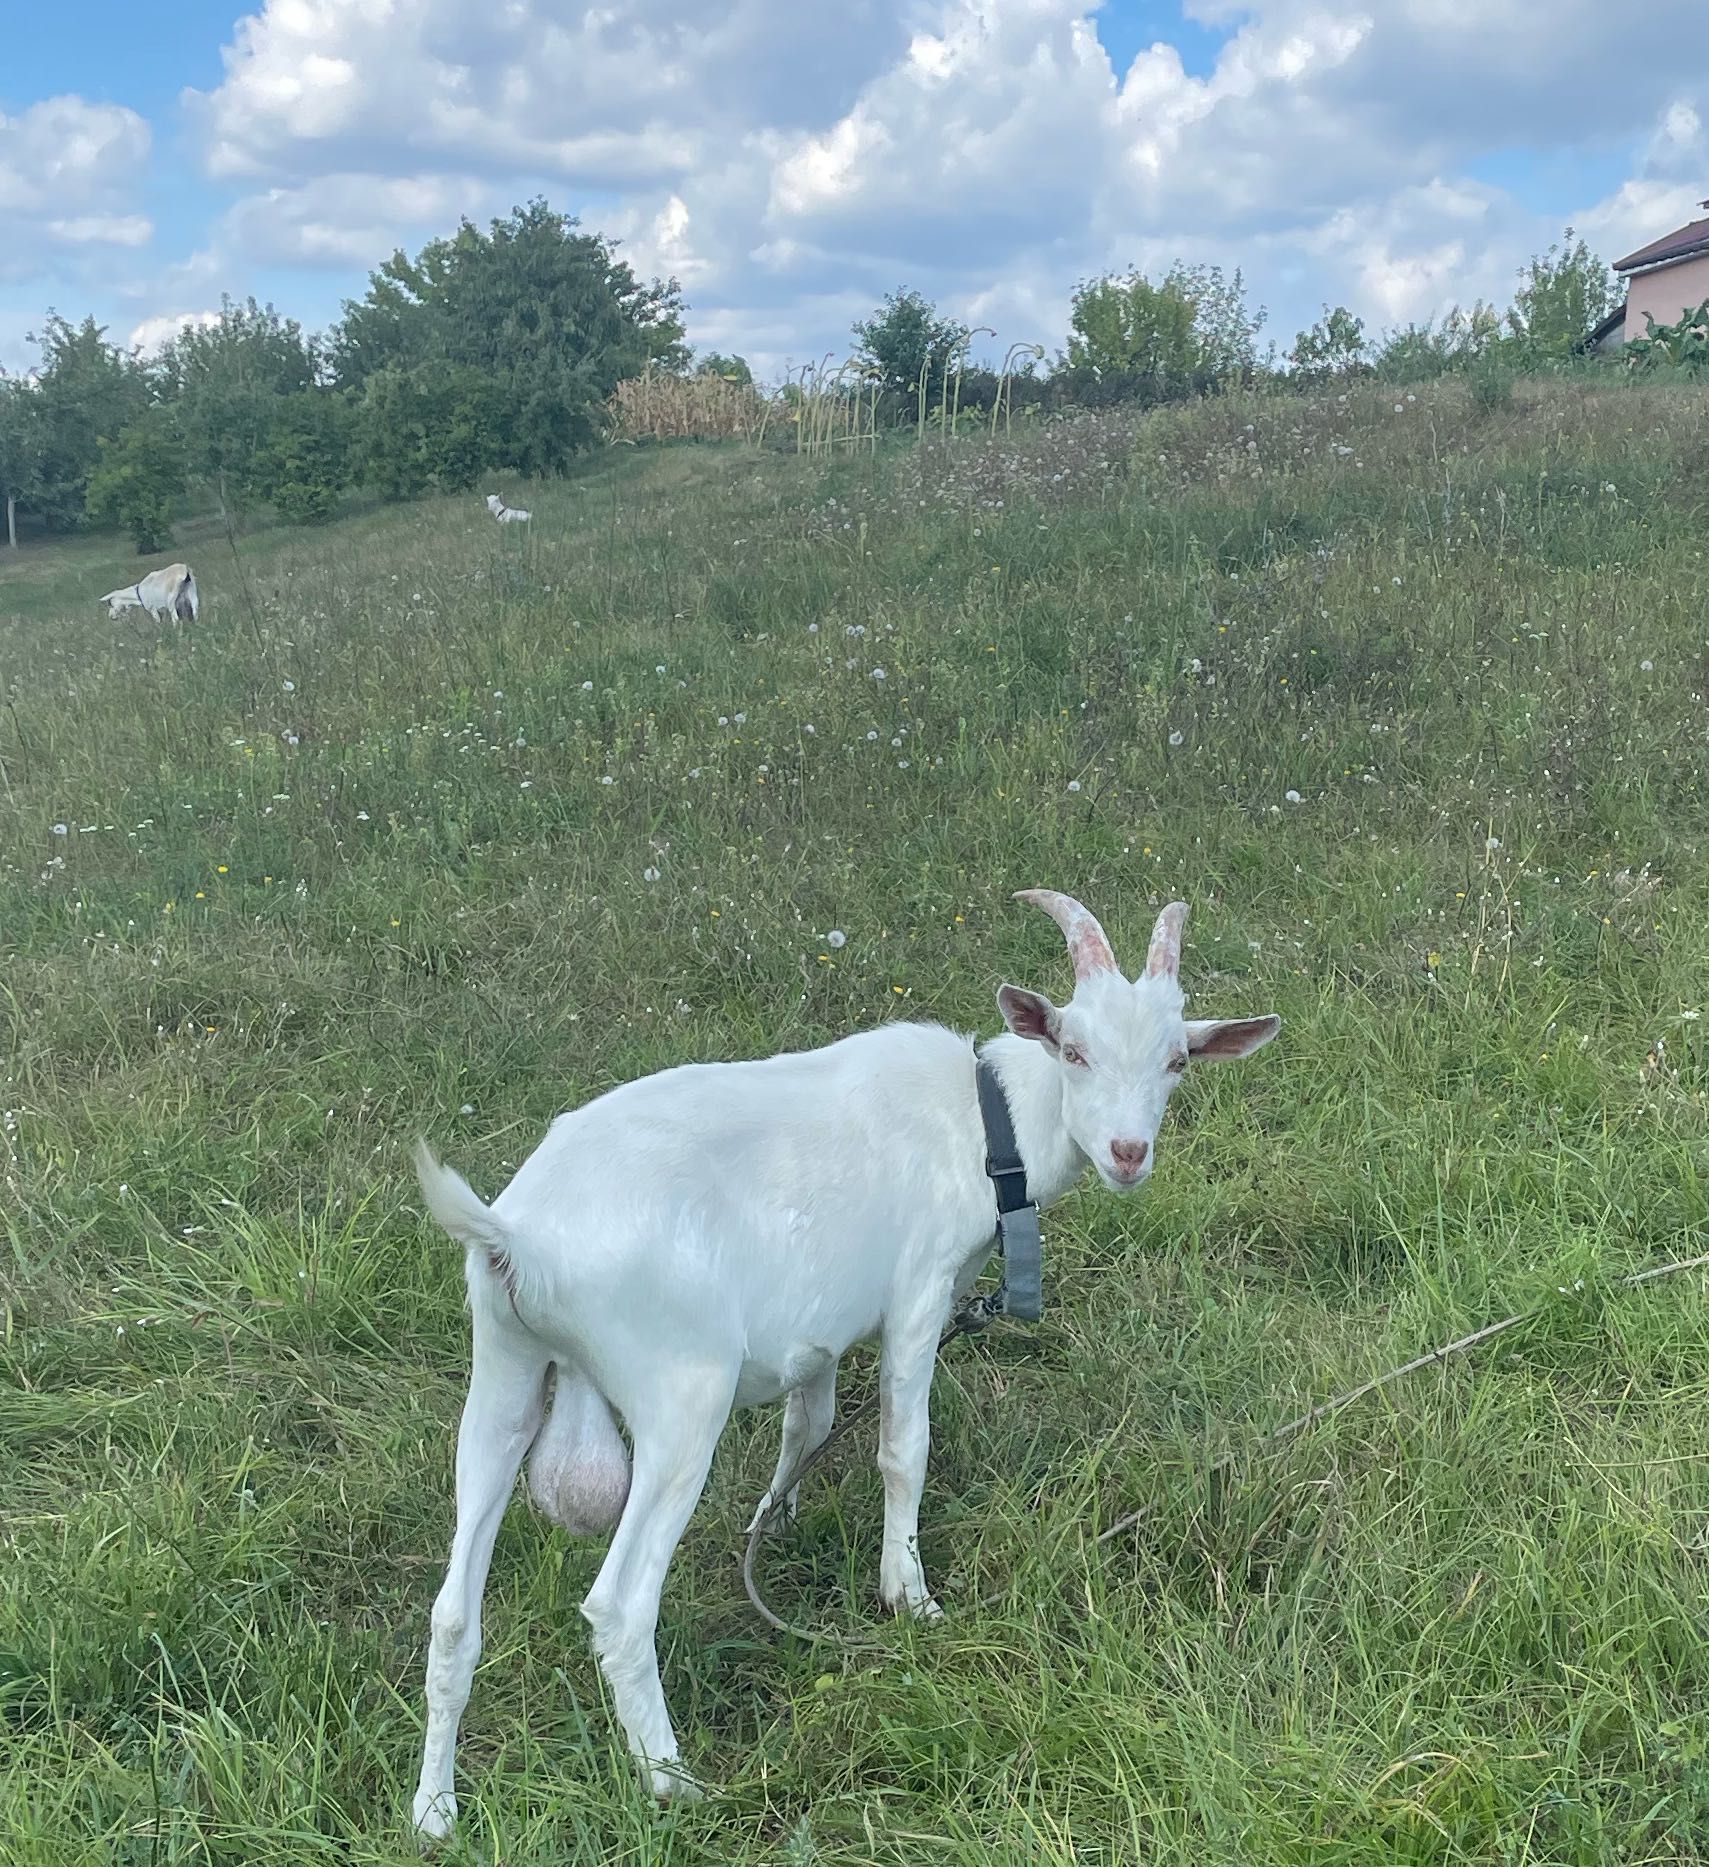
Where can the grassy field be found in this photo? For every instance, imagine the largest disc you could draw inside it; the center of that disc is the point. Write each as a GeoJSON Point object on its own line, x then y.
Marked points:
{"type": "Point", "coordinates": [433, 826]}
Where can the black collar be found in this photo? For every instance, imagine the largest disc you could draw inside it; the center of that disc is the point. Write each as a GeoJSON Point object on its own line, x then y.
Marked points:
{"type": "Point", "coordinates": [1018, 1237]}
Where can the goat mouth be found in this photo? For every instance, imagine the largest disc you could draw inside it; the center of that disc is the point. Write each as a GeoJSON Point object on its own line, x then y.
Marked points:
{"type": "Point", "coordinates": [1124, 1182]}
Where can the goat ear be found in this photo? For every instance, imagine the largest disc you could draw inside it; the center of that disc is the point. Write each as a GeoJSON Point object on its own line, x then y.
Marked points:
{"type": "Point", "coordinates": [1030, 1014]}
{"type": "Point", "coordinates": [1217, 1040]}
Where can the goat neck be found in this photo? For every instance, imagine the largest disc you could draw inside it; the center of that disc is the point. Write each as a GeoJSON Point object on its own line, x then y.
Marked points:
{"type": "Point", "coordinates": [1032, 1083]}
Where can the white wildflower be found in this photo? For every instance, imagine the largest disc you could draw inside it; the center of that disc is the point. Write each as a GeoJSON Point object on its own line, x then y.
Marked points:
{"type": "Point", "coordinates": [836, 938]}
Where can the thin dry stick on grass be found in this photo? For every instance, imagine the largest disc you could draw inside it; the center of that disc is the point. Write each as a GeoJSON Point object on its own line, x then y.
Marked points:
{"type": "Point", "coordinates": [1279, 1436]}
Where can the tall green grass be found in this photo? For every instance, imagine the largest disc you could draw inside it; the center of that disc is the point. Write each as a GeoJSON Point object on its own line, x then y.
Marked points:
{"type": "Point", "coordinates": [430, 825]}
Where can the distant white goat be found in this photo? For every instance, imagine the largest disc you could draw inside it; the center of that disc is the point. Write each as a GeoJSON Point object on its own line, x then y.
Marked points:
{"type": "Point", "coordinates": [506, 515]}
{"type": "Point", "coordinates": [719, 1235]}
{"type": "Point", "coordinates": [166, 594]}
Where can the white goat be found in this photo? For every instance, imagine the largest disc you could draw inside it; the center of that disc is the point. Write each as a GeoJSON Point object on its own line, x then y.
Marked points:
{"type": "Point", "coordinates": [506, 515]}
{"type": "Point", "coordinates": [166, 594]}
{"type": "Point", "coordinates": [719, 1235]}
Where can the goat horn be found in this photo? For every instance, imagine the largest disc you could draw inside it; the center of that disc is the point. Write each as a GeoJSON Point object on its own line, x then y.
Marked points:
{"type": "Point", "coordinates": [1087, 946]}
{"type": "Point", "coordinates": [1163, 961]}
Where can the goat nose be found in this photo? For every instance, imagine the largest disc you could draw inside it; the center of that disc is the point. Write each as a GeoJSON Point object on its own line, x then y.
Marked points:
{"type": "Point", "coordinates": [1129, 1155]}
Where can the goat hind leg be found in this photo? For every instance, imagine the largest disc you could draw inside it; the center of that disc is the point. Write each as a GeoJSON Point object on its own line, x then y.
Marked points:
{"type": "Point", "coordinates": [807, 1417]}
{"type": "Point", "coordinates": [674, 1442]}
{"type": "Point", "coordinates": [500, 1416]}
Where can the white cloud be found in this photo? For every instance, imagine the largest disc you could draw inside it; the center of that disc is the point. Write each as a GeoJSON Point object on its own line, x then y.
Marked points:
{"type": "Point", "coordinates": [791, 163]}
{"type": "Point", "coordinates": [69, 172]}
{"type": "Point", "coordinates": [152, 335]}
{"type": "Point", "coordinates": [351, 221]}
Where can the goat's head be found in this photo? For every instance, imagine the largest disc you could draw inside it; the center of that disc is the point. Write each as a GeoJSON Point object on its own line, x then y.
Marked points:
{"type": "Point", "coordinates": [1122, 1045]}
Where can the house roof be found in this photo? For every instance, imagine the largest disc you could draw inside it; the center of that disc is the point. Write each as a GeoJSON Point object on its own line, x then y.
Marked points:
{"type": "Point", "coordinates": [1606, 328]}
{"type": "Point", "coordinates": [1685, 241]}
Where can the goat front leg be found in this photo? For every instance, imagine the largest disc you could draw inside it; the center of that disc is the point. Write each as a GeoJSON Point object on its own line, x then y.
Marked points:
{"type": "Point", "coordinates": [807, 1417]}
{"type": "Point", "coordinates": [906, 1363]}
{"type": "Point", "coordinates": [674, 1437]}
{"type": "Point", "coordinates": [500, 1417]}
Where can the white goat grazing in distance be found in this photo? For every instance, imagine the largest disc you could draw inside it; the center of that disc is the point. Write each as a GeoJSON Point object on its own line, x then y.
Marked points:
{"type": "Point", "coordinates": [506, 515]}
{"type": "Point", "coordinates": [166, 594]}
{"type": "Point", "coordinates": [719, 1235]}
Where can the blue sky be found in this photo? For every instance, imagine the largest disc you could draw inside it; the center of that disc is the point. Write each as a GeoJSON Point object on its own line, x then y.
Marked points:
{"type": "Point", "coordinates": [791, 164]}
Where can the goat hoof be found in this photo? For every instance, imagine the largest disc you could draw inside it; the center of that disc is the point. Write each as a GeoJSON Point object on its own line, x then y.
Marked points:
{"type": "Point", "coordinates": [435, 1815]}
{"type": "Point", "coordinates": [914, 1608]}
{"type": "Point", "coordinates": [674, 1783]}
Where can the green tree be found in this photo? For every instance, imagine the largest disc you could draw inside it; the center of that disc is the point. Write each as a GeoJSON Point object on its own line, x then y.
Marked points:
{"type": "Point", "coordinates": [86, 390]}
{"type": "Point", "coordinates": [228, 382]}
{"type": "Point", "coordinates": [1563, 295]}
{"type": "Point", "coordinates": [731, 368]}
{"type": "Point", "coordinates": [905, 341]}
{"type": "Point", "coordinates": [437, 425]}
{"type": "Point", "coordinates": [1334, 346]}
{"type": "Point", "coordinates": [1459, 341]}
{"type": "Point", "coordinates": [138, 481]}
{"type": "Point", "coordinates": [547, 316]}
{"type": "Point", "coordinates": [303, 463]}
{"type": "Point", "coordinates": [1190, 332]}
{"type": "Point", "coordinates": [17, 450]}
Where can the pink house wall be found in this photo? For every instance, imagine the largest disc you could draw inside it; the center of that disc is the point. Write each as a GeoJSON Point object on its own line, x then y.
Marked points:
{"type": "Point", "coordinates": [1665, 293]}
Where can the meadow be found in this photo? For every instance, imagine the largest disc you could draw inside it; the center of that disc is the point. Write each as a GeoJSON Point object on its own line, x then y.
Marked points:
{"type": "Point", "coordinates": [433, 827]}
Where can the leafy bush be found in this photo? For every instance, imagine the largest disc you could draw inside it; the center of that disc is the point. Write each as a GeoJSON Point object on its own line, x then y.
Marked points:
{"type": "Point", "coordinates": [439, 425]}
{"type": "Point", "coordinates": [304, 461]}
{"type": "Point", "coordinates": [1563, 295]}
{"type": "Point", "coordinates": [730, 369]}
{"type": "Point", "coordinates": [231, 382]}
{"type": "Point", "coordinates": [911, 348]}
{"type": "Point", "coordinates": [139, 479]}
{"type": "Point", "coordinates": [1419, 352]}
{"type": "Point", "coordinates": [1134, 341]}
{"type": "Point", "coordinates": [85, 390]}
{"type": "Point", "coordinates": [516, 337]}
{"type": "Point", "coordinates": [1334, 346]}
{"type": "Point", "coordinates": [1681, 345]}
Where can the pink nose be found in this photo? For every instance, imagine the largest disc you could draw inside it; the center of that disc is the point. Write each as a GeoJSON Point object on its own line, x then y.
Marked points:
{"type": "Point", "coordinates": [1129, 1156]}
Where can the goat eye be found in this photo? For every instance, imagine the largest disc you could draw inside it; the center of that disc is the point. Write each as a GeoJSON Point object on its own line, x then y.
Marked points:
{"type": "Point", "coordinates": [1072, 1055]}
{"type": "Point", "coordinates": [1177, 1066]}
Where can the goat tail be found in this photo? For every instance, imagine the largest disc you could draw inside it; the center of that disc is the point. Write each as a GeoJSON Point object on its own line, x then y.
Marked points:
{"type": "Point", "coordinates": [461, 1211]}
